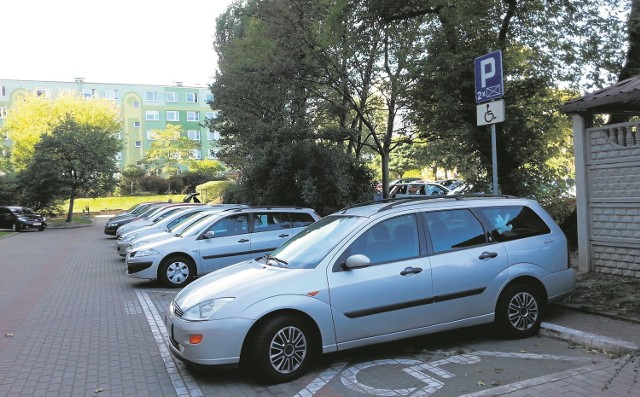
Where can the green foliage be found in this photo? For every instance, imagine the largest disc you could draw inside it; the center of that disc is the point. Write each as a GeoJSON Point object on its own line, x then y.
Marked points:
{"type": "Point", "coordinates": [130, 179]}
{"type": "Point", "coordinates": [170, 151]}
{"type": "Point", "coordinates": [155, 184]}
{"type": "Point", "coordinates": [304, 174]}
{"type": "Point", "coordinates": [32, 117]}
{"type": "Point", "coordinates": [74, 160]}
{"type": "Point", "coordinates": [213, 191]}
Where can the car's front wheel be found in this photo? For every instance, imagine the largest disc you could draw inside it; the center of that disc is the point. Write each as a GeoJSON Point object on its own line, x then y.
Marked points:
{"type": "Point", "coordinates": [176, 271]}
{"type": "Point", "coordinates": [519, 311]}
{"type": "Point", "coordinates": [280, 349]}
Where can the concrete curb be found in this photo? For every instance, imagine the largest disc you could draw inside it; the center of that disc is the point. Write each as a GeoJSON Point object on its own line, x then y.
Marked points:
{"type": "Point", "coordinates": [593, 341]}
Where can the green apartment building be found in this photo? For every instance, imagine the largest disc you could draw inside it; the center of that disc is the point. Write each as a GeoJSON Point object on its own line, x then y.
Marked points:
{"type": "Point", "coordinates": [144, 108]}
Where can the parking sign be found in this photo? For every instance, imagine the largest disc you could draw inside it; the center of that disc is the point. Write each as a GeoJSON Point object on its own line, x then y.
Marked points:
{"type": "Point", "coordinates": [488, 73]}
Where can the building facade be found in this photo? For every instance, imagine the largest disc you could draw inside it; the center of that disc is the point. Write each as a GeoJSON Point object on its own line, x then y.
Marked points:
{"type": "Point", "coordinates": [144, 108]}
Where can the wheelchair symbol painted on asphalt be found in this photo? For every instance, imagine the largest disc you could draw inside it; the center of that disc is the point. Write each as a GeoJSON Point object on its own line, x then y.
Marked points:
{"type": "Point", "coordinates": [431, 374]}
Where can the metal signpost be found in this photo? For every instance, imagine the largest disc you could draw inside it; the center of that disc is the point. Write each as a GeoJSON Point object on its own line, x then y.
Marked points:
{"type": "Point", "coordinates": [489, 87]}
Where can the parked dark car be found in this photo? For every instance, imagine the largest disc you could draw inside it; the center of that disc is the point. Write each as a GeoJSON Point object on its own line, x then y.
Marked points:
{"type": "Point", "coordinates": [20, 218]}
{"type": "Point", "coordinates": [114, 223]}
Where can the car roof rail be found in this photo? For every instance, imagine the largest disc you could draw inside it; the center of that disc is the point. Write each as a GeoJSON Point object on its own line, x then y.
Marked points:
{"type": "Point", "coordinates": [403, 200]}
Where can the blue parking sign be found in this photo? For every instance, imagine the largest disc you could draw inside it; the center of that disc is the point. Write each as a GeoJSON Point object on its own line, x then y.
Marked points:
{"type": "Point", "coordinates": [488, 73]}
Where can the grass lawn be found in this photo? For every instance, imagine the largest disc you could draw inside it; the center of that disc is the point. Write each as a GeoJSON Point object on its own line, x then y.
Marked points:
{"type": "Point", "coordinates": [99, 204]}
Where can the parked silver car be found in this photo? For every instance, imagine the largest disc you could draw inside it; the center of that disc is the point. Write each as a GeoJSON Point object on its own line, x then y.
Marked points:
{"type": "Point", "coordinates": [376, 273]}
{"type": "Point", "coordinates": [221, 240]}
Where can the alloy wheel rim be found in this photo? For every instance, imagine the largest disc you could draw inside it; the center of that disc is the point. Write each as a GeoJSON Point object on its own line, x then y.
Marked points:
{"type": "Point", "coordinates": [288, 350]}
{"type": "Point", "coordinates": [177, 272]}
{"type": "Point", "coordinates": [523, 311]}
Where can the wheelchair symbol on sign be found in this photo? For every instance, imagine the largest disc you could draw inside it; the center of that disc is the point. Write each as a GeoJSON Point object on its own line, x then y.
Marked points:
{"type": "Point", "coordinates": [489, 116]}
{"type": "Point", "coordinates": [430, 373]}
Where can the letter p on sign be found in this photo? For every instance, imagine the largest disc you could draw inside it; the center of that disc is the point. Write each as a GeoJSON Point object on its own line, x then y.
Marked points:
{"type": "Point", "coordinates": [488, 75]}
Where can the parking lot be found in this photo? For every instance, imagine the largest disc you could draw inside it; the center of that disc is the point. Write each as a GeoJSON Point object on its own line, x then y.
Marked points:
{"type": "Point", "coordinates": [74, 324]}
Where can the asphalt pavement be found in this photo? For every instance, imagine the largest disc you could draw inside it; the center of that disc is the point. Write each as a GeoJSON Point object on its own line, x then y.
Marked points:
{"type": "Point", "coordinates": [73, 324]}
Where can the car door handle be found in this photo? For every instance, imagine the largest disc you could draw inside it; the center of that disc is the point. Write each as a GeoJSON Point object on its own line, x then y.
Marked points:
{"type": "Point", "coordinates": [244, 240]}
{"type": "Point", "coordinates": [488, 255]}
{"type": "Point", "coordinates": [410, 270]}
{"type": "Point", "coordinates": [283, 235]}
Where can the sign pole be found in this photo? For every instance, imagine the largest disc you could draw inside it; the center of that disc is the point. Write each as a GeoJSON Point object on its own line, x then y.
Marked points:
{"type": "Point", "coordinates": [494, 159]}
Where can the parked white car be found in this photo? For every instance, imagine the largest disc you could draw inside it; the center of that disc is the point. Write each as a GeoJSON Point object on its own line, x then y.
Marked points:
{"type": "Point", "coordinates": [376, 273]}
{"type": "Point", "coordinates": [124, 241]}
{"type": "Point", "coordinates": [156, 216]}
{"type": "Point", "coordinates": [212, 243]}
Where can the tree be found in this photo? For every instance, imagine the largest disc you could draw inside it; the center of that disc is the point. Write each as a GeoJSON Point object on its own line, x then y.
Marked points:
{"type": "Point", "coordinates": [130, 178]}
{"type": "Point", "coordinates": [170, 150]}
{"type": "Point", "coordinates": [33, 116]}
{"type": "Point", "coordinates": [75, 160]}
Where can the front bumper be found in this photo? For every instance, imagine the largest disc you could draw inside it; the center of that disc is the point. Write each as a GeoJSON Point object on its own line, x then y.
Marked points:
{"type": "Point", "coordinates": [221, 343]}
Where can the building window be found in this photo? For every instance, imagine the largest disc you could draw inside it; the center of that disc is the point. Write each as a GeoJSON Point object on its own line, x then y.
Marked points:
{"type": "Point", "coordinates": [3, 91]}
{"type": "Point", "coordinates": [114, 95]}
{"type": "Point", "coordinates": [209, 98]}
{"type": "Point", "coordinates": [193, 116]}
{"type": "Point", "coordinates": [152, 115]}
{"type": "Point", "coordinates": [213, 154]}
{"type": "Point", "coordinates": [195, 154]}
{"type": "Point", "coordinates": [171, 96]}
{"type": "Point", "coordinates": [150, 96]}
{"type": "Point", "coordinates": [194, 135]}
{"type": "Point", "coordinates": [42, 92]}
{"type": "Point", "coordinates": [136, 105]}
{"type": "Point", "coordinates": [211, 115]}
{"type": "Point", "coordinates": [5, 136]}
{"type": "Point", "coordinates": [213, 135]}
{"type": "Point", "coordinates": [3, 112]}
{"type": "Point", "coordinates": [191, 97]}
{"type": "Point", "coordinates": [88, 93]}
{"type": "Point", "coordinates": [173, 115]}
{"type": "Point", "coordinates": [118, 135]}
{"type": "Point", "coordinates": [136, 124]}
{"type": "Point", "coordinates": [138, 143]}
{"type": "Point", "coordinates": [152, 135]}
{"type": "Point", "coordinates": [119, 156]}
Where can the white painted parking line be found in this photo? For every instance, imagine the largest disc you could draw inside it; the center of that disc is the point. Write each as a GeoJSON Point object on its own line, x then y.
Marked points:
{"type": "Point", "coordinates": [183, 383]}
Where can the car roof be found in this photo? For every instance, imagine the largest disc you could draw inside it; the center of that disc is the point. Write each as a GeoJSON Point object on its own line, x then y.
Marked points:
{"type": "Point", "coordinates": [372, 208]}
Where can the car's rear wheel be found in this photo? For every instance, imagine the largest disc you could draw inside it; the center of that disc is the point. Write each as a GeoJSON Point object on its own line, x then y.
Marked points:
{"type": "Point", "coordinates": [16, 227]}
{"type": "Point", "coordinates": [280, 349]}
{"type": "Point", "coordinates": [519, 311]}
{"type": "Point", "coordinates": [176, 271]}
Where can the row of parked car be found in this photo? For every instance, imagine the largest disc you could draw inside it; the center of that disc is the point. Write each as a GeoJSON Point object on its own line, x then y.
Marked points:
{"type": "Point", "coordinates": [174, 243]}
{"type": "Point", "coordinates": [284, 286]}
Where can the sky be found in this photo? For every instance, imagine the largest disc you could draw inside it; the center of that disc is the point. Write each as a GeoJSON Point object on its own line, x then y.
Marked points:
{"type": "Point", "coordinates": [110, 41]}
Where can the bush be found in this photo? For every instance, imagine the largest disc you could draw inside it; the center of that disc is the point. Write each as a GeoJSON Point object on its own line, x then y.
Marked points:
{"type": "Point", "coordinates": [213, 190]}
{"type": "Point", "coordinates": [154, 184]}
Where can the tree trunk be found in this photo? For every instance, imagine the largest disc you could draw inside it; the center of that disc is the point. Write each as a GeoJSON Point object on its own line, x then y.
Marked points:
{"type": "Point", "coordinates": [385, 174]}
{"type": "Point", "coordinates": [71, 201]}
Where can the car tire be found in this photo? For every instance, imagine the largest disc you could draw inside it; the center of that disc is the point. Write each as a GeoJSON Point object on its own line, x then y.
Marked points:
{"type": "Point", "coordinates": [16, 227]}
{"type": "Point", "coordinates": [519, 311]}
{"type": "Point", "coordinates": [280, 349]}
{"type": "Point", "coordinates": [176, 271]}
{"type": "Point", "coordinates": [41, 228]}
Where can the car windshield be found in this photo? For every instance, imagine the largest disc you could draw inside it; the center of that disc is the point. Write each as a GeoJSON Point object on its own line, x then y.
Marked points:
{"type": "Point", "coordinates": [23, 210]}
{"type": "Point", "coordinates": [307, 248]}
{"type": "Point", "coordinates": [179, 224]}
{"type": "Point", "coordinates": [197, 226]}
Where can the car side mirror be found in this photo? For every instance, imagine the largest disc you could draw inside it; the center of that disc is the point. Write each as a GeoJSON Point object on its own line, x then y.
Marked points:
{"type": "Point", "coordinates": [210, 234]}
{"type": "Point", "coordinates": [357, 261]}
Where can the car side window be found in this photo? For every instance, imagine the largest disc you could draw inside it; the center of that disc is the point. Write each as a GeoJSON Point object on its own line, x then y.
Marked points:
{"type": "Point", "coordinates": [266, 221]}
{"type": "Point", "coordinates": [231, 226]}
{"type": "Point", "coordinates": [454, 229]}
{"type": "Point", "coordinates": [513, 222]}
{"type": "Point", "coordinates": [391, 240]}
{"type": "Point", "coordinates": [301, 219]}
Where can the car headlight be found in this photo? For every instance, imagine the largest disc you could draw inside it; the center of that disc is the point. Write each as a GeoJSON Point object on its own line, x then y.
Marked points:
{"type": "Point", "coordinates": [129, 237]}
{"type": "Point", "coordinates": [111, 224]}
{"type": "Point", "coordinates": [139, 244]}
{"type": "Point", "coordinates": [205, 310]}
{"type": "Point", "coordinates": [146, 252]}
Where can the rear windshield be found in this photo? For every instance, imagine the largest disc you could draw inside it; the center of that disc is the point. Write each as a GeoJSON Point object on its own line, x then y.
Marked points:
{"type": "Point", "coordinates": [513, 222]}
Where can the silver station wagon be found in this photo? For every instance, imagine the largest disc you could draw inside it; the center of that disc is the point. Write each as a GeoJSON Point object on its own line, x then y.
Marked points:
{"type": "Point", "coordinates": [375, 273]}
